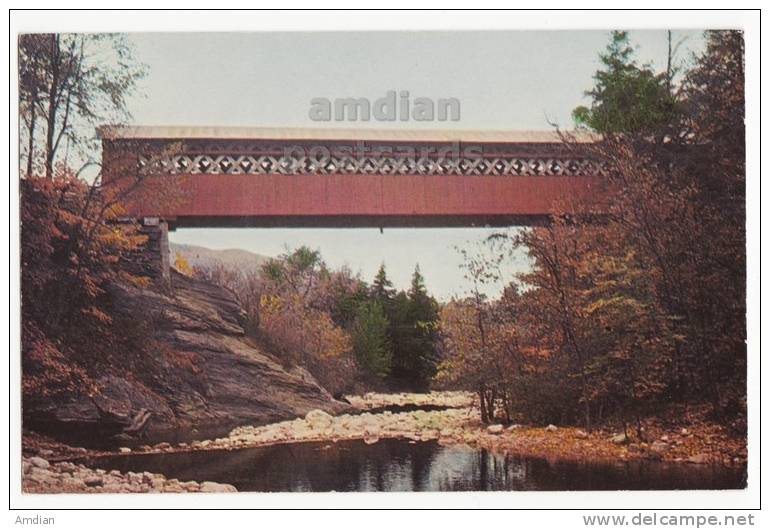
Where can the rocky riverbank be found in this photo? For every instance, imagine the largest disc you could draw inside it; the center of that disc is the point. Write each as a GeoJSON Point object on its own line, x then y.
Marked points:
{"type": "Point", "coordinates": [41, 476]}
{"type": "Point", "coordinates": [689, 440]}
{"type": "Point", "coordinates": [701, 443]}
{"type": "Point", "coordinates": [445, 399]}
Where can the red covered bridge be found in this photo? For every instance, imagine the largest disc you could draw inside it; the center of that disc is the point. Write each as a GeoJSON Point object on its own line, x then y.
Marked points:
{"type": "Point", "coordinates": [340, 178]}
{"type": "Point", "coordinates": [260, 177]}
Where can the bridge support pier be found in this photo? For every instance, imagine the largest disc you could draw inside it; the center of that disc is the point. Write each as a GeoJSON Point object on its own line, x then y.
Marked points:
{"type": "Point", "coordinates": [152, 260]}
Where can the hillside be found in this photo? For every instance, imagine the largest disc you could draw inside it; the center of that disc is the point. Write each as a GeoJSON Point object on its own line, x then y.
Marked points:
{"type": "Point", "coordinates": [200, 256]}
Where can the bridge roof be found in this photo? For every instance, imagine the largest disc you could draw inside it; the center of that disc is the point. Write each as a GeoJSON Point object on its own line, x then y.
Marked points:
{"type": "Point", "coordinates": [338, 134]}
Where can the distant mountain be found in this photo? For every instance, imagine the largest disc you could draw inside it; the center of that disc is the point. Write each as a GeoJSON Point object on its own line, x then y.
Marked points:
{"type": "Point", "coordinates": [200, 256]}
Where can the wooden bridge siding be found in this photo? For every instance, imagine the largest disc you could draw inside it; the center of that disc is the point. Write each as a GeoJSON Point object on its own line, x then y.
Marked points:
{"type": "Point", "coordinates": [228, 195]}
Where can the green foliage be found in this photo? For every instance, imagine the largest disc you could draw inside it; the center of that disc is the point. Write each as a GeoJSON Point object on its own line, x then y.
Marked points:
{"type": "Point", "coordinates": [414, 334]}
{"type": "Point", "coordinates": [627, 98]}
{"type": "Point", "coordinates": [382, 287]}
{"type": "Point", "coordinates": [370, 339]}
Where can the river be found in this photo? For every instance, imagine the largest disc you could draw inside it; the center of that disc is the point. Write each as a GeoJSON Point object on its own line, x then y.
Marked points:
{"type": "Point", "coordinates": [401, 465]}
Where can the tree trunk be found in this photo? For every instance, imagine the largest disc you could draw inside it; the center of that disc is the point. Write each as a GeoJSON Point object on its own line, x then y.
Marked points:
{"type": "Point", "coordinates": [483, 404]}
{"type": "Point", "coordinates": [31, 144]}
{"type": "Point", "coordinates": [52, 107]}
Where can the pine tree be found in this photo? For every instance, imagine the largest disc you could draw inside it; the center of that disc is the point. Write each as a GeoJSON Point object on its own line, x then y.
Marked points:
{"type": "Point", "coordinates": [414, 330]}
{"type": "Point", "coordinates": [370, 339]}
{"type": "Point", "coordinates": [382, 287]}
{"type": "Point", "coordinates": [627, 98]}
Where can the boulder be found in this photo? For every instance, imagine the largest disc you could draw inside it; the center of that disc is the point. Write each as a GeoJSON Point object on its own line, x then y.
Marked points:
{"type": "Point", "coordinates": [619, 439]}
{"type": "Point", "coordinates": [581, 434]}
{"type": "Point", "coordinates": [551, 428]}
{"type": "Point", "coordinates": [39, 462]}
{"type": "Point", "coordinates": [495, 428]}
{"type": "Point", "coordinates": [319, 419]}
{"type": "Point", "coordinates": [94, 481]}
{"type": "Point", "coordinates": [210, 486]}
{"type": "Point", "coordinates": [124, 450]}
{"type": "Point", "coordinates": [74, 483]}
{"type": "Point", "coordinates": [699, 459]}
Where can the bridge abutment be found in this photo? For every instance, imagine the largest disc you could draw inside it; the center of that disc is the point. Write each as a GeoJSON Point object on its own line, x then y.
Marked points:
{"type": "Point", "coordinates": [152, 260]}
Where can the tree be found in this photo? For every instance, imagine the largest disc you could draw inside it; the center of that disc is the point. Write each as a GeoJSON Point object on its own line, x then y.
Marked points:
{"type": "Point", "coordinates": [182, 265]}
{"type": "Point", "coordinates": [68, 264]}
{"type": "Point", "coordinates": [627, 98]}
{"type": "Point", "coordinates": [370, 339]}
{"type": "Point", "coordinates": [645, 308]}
{"type": "Point", "coordinates": [68, 83]}
{"type": "Point", "coordinates": [414, 334]}
{"type": "Point", "coordinates": [382, 287]}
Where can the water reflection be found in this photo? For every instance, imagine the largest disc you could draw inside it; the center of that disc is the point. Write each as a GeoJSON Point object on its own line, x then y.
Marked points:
{"type": "Point", "coordinates": [399, 465]}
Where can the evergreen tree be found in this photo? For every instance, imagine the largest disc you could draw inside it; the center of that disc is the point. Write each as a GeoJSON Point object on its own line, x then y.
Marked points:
{"type": "Point", "coordinates": [370, 339]}
{"type": "Point", "coordinates": [627, 98]}
{"type": "Point", "coordinates": [414, 331]}
{"type": "Point", "coordinates": [382, 287]}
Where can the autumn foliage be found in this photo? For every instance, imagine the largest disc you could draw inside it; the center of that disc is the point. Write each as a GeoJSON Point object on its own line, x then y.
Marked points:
{"type": "Point", "coordinates": [71, 250]}
{"type": "Point", "coordinates": [639, 301]}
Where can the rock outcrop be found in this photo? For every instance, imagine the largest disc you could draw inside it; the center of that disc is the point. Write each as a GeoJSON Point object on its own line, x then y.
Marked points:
{"type": "Point", "coordinates": [206, 372]}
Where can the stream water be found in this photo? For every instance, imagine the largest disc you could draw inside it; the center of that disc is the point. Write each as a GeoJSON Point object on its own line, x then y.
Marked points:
{"type": "Point", "coordinates": [400, 465]}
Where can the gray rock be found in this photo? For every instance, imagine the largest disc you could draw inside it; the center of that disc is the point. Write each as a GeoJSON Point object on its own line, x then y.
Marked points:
{"type": "Point", "coordinates": [73, 482]}
{"type": "Point", "coordinates": [39, 462]}
{"type": "Point", "coordinates": [619, 439]}
{"type": "Point", "coordinates": [699, 459]}
{"type": "Point", "coordinates": [495, 428]}
{"type": "Point", "coordinates": [319, 419]}
{"type": "Point", "coordinates": [210, 486]}
{"type": "Point", "coordinates": [551, 428]}
{"type": "Point", "coordinates": [94, 481]}
{"type": "Point", "coordinates": [234, 380]}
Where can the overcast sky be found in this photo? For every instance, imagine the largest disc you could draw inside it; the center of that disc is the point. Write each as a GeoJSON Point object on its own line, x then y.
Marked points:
{"type": "Point", "coordinates": [503, 80]}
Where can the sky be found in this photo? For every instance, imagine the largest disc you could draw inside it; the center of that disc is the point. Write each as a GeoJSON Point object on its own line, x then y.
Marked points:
{"type": "Point", "coordinates": [504, 80]}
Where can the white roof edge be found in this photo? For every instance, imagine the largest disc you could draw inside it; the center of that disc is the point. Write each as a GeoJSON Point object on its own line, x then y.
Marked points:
{"type": "Point", "coordinates": [363, 134]}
